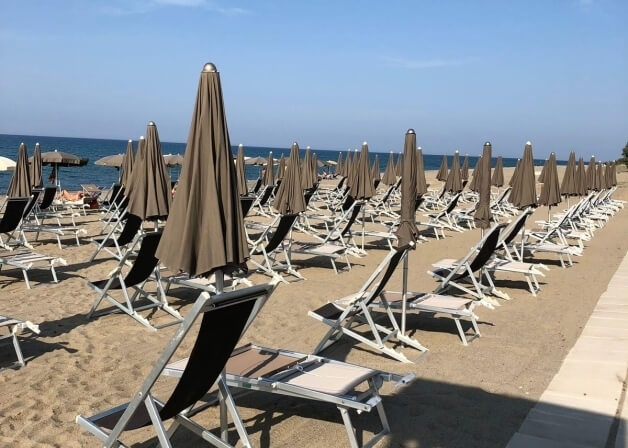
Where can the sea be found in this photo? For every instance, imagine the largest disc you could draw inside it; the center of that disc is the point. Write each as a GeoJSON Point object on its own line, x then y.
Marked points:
{"type": "Point", "coordinates": [71, 178]}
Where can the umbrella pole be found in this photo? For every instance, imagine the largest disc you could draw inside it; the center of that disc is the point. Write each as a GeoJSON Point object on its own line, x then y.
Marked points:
{"type": "Point", "coordinates": [363, 221]}
{"type": "Point", "coordinates": [224, 433]}
{"type": "Point", "coordinates": [404, 294]}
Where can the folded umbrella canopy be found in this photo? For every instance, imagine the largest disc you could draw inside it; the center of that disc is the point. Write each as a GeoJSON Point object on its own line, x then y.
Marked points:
{"type": "Point", "coordinates": [581, 179]}
{"type": "Point", "coordinates": [127, 164]}
{"type": "Point", "coordinates": [513, 178]}
{"type": "Point", "coordinates": [362, 185]}
{"type": "Point", "coordinates": [608, 175]}
{"type": "Point", "coordinates": [399, 166]}
{"type": "Point", "coordinates": [150, 198]}
{"type": "Point", "coordinates": [442, 171]}
{"type": "Point", "coordinates": [568, 186]}
{"type": "Point", "coordinates": [389, 174]}
{"type": "Point", "coordinates": [205, 231]}
{"type": "Point", "coordinates": [375, 173]}
{"type": "Point", "coordinates": [591, 174]}
{"type": "Point", "coordinates": [139, 157]}
{"type": "Point", "coordinates": [281, 169]}
{"type": "Point", "coordinates": [482, 216]}
{"type": "Point", "coordinates": [20, 185]}
{"type": "Point", "coordinates": [240, 171]}
{"type": "Point", "coordinates": [474, 185]}
{"type": "Point", "coordinates": [36, 180]}
{"type": "Point", "coordinates": [464, 171]}
{"type": "Point", "coordinates": [550, 191]}
{"type": "Point", "coordinates": [523, 193]}
{"type": "Point", "coordinates": [269, 172]}
{"type": "Point", "coordinates": [289, 199]}
{"type": "Point", "coordinates": [407, 231]}
{"type": "Point", "coordinates": [307, 181]}
{"type": "Point", "coordinates": [600, 182]}
{"type": "Point", "coordinates": [498, 173]}
{"type": "Point", "coordinates": [315, 166]}
{"type": "Point", "coordinates": [340, 168]}
{"type": "Point", "coordinates": [454, 181]}
{"type": "Point", "coordinates": [421, 184]}
{"type": "Point", "coordinates": [348, 168]}
{"type": "Point", "coordinates": [614, 174]}
{"type": "Point", "coordinates": [542, 175]}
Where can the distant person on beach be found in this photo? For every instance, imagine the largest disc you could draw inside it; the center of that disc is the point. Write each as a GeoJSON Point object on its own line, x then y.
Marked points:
{"type": "Point", "coordinates": [66, 195]}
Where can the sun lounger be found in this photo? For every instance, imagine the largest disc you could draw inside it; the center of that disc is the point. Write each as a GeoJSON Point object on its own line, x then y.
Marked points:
{"type": "Point", "coordinates": [15, 326]}
{"type": "Point", "coordinates": [11, 220]}
{"type": "Point", "coordinates": [132, 226]}
{"type": "Point", "coordinates": [443, 219]}
{"type": "Point", "coordinates": [310, 377]}
{"type": "Point", "coordinates": [26, 260]}
{"type": "Point", "coordinates": [144, 268]}
{"type": "Point", "coordinates": [225, 317]}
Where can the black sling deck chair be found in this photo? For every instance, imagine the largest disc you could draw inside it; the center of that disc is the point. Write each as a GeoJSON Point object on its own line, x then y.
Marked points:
{"type": "Point", "coordinates": [354, 310]}
{"type": "Point", "coordinates": [451, 273]}
{"type": "Point", "coordinates": [145, 266]}
{"type": "Point", "coordinates": [225, 317]}
{"type": "Point", "coordinates": [132, 225]}
{"type": "Point", "coordinates": [11, 219]}
{"type": "Point", "coordinates": [270, 247]}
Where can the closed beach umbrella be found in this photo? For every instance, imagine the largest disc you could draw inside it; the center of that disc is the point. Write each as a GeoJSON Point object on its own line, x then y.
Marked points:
{"type": "Point", "coordinates": [474, 185]}
{"type": "Point", "coordinates": [340, 168]}
{"type": "Point", "coordinates": [127, 164]}
{"type": "Point", "coordinates": [205, 231]}
{"type": "Point", "coordinates": [599, 177]}
{"type": "Point", "coordinates": [6, 164]}
{"type": "Point", "coordinates": [36, 180]}
{"type": "Point", "coordinates": [269, 173]}
{"type": "Point", "coordinates": [375, 173]}
{"type": "Point", "coordinates": [482, 216]}
{"type": "Point", "coordinates": [454, 181]}
{"type": "Point", "coordinates": [399, 166]}
{"type": "Point", "coordinates": [407, 231]}
{"type": "Point", "coordinates": [542, 175]}
{"type": "Point", "coordinates": [150, 198]}
{"type": "Point", "coordinates": [348, 168]}
{"type": "Point", "coordinates": [307, 181]}
{"type": "Point", "coordinates": [614, 180]}
{"type": "Point", "coordinates": [362, 186]}
{"type": "Point", "coordinates": [568, 185]}
{"type": "Point", "coordinates": [498, 173]}
{"type": "Point", "coordinates": [281, 169]}
{"type": "Point", "coordinates": [591, 174]}
{"type": "Point", "coordinates": [240, 171]}
{"type": "Point", "coordinates": [523, 192]}
{"type": "Point", "coordinates": [608, 175]}
{"type": "Point", "coordinates": [20, 186]}
{"type": "Point", "coordinates": [442, 171]}
{"type": "Point", "coordinates": [421, 184]}
{"type": "Point", "coordinates": [513, 178]}
{"type": "Point", "coordinates": [315, 168]}
{"type": "Point", "coordinates": [289, 199]}
{"type": "Point", "coordinates": [389, 175]}
{"type": "Point", "coordinates": [464, 171]}
{"type": "Point", "coordinates": [550, 191]}
{"type": "Point", "coordinates": [581, 178]}
{"type": "Point", "coordinates": [139, 157]}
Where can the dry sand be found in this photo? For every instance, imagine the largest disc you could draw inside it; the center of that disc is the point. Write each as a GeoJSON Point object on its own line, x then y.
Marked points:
{"type": "Point", "coordinates": [475, 396]}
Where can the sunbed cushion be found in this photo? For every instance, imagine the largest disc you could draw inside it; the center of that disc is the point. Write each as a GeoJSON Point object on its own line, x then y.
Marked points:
{"type": "Point", "coordinates": [440, 301]}
{"type": "Point", "coordinates": [315, 248]}
{"type": "Point", "coordinates": [330, 378]}
{"type": "Point", "coordinates": [257, 362]}
{"type": "Point", "coordinates": [329, 311]}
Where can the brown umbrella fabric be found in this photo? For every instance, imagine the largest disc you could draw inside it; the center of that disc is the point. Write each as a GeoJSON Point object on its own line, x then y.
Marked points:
{"type": "Point", "coordinates": [474, 185]}
{"type": "Point", "coordinates": [172, 160]}
{"type": "Point", "coordinates": [550, 191]}
{"type": "Point", "coordinates": [407, 231]}
{"type": "Point", "coordinates": [114, 160]}
{"type": "Point", "coordinates": [281, 169]}
{"type": "Point", "coordinates": [35, 172]}
{"type": "Point", "coordinates": [60, 158]}
{"type": "Point", "coordinates": [523, 192]}
{"type": "Point", "coordinates": [240, 171]}
{"type": "Point", "coordinates": [581, 178]}
{"type": "Point", "coordinates": [269, 173]}
{"type": "Point", "coordinates": [482, 216]}
{"type": "Point", "coordinates": [315, 166]}
{"type": "Point", "coordinates": [498, 173]}
{"type": "Point", "coordinates": [389, 175]}
{"type": "Point", "coordinates": [542, 175]}
{"type": "Point", "coordinates": [421, 184]}
{"type": "Point", "coordinates": [139, 157]}
{"type": "Point", "coordinates": [127, 164]}
{"type": "Point", "coordinates": [568, 185]}
{"type": "Point", "coordinates": [464, 171]}
{"type": "Point", "coordinates": [307, 181]}
{"type": "Point", "coordinates": [454, 181]}
{"type": "Point", "coordinates": [442, 171]}
{"type": "Point", "coordinates": [20, 185]}
{"type": "Point", "coordinates": [362, 186]}
{"type": "Point", "coordinates": [591, 174]}
{"type": "Point", "coordinates": [289, 199]}
{"type": "Point", "coordinates": [375, 174]}
{"type": "Point", "coordinates": [513, 178]}
{"type": "Point", "coordinates": [348, 168]}
{"type": "Point", "coordinates": [608, 175]}
{"type": "Point", "coordinates": [340, 168]}
{"type": "Point", "coordinates": [614, 173]}
{"type": "Point", "coordinates": [205, 230]}
{"type": "Point", "coordinates": [150, 198]}
{"type": "Point", "coordinates": [599, 177]}
{"type": "Point", "coordinates": [399, 166]}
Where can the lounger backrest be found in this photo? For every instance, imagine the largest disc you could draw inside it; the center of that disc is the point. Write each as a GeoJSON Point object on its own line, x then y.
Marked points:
{"type": "Point", "coordinates": [49, 196]}
{"type": "Point", "coordinates": [341, 183]}
{"type": "Point", "coordinates": [418, 202]}
{"type": "Point", "coordinates": [31, 203]}
{"type": "Point", "coordinates": [516, 228]}
{"type": "Point", "coordinates": [354, 214]}
{"type": "Point", "coordinates": [486, 250]}
{"type": "Point", "coordinates": [246, 202]}
{"type": "Point", "coordinates": [13, 213]}
{"type": "Point", "coordinates": [387, 195]}
{"type": "Point", "coordinates": [115, 189]}
{"type": "Point", "coordinates": [146, 262]}
{"type": "Point", "coordinates": [265, 195]}
{"type": "Point", "coordinates": [309, 193]}
{"type": "Point", "coordinates": [390, 269]}
{"type": "Point", "coordinates": [348, 202]}
{"type": "Point", "coordinates": [131, 227]}
{"type": "Point", "coordinates": [376, 183]}
{"type": "Point", "coordinates": [257, 186]}
{"type": "Point", "coordinates": [452, 204]}
{"type": "Point", "coordinates": [224, 319]}
{"type": "Point", "coordinates": [464, 183]}
{"type": "Point", "coordinates": [284, 226]}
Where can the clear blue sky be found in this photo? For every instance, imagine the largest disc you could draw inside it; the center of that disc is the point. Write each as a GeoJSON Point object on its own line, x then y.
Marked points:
{"type": "Point", "coordinates": [325, 73]}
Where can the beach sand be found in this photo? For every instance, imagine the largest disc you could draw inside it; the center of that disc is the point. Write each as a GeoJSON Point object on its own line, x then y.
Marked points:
{"type": "Point", "coordinates": [475, 396]}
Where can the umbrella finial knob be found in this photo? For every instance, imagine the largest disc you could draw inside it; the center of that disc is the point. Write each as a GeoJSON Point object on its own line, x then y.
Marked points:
{"type": "Point", "coordinates": [209, 68]}
{"type": "Point", "coordinates": [528, 142]}
{"type": "Point", "coordinates": [364, 143]}
{"type": "Point", "coordinates": [151, 123]}
{"type": "Point", "coordinates": [130, 141]}
{"type": "Point", "coordinates": [418, 147]}
{"type": "Point", "coordinates": [308, 147]}
{"type": "Point", "coordinates": [240, 145]}
{"type": "Point", "coordinates": [141, 137]}
{"type": "Point", "coordinates": [410, 131]}
{"type": "Point", "coordinates": [486, 144]}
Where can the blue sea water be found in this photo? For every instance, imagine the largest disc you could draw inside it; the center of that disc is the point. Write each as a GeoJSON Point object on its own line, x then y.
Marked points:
{"type": "Point", "coordinates": [72, 177]}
